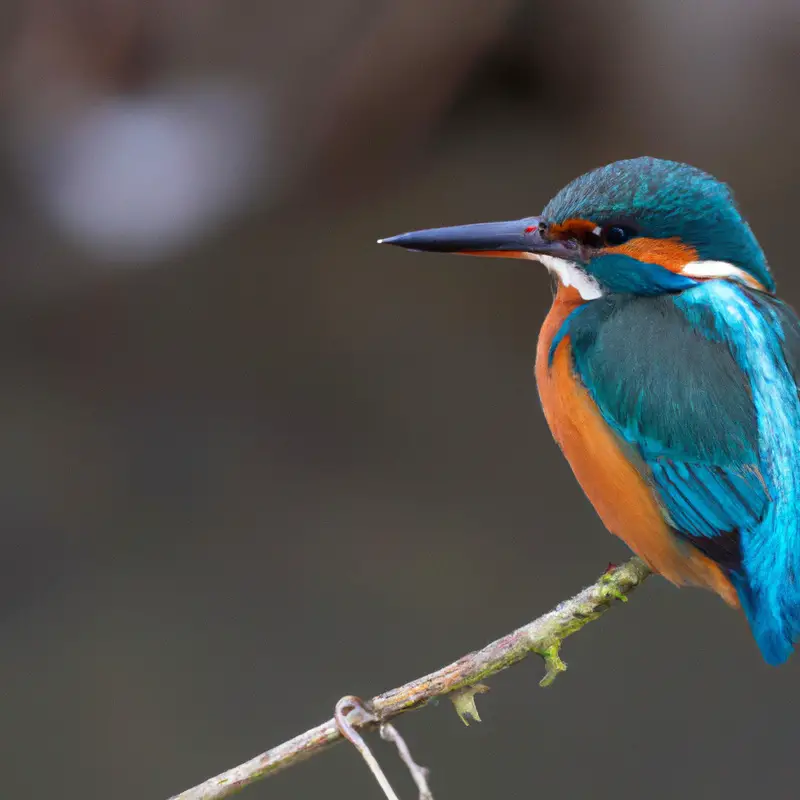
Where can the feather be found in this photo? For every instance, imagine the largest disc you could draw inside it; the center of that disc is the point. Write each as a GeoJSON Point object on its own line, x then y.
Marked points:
{"type": "Point", "coordinates": [702, 386]}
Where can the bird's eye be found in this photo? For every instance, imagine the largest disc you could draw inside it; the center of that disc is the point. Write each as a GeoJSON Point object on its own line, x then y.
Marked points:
{"type": "Point", "coordinates": [614, 235]}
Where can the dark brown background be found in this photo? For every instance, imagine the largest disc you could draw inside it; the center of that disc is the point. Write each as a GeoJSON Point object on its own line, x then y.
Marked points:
{"type": "Point", "coordinates": [279, 464]}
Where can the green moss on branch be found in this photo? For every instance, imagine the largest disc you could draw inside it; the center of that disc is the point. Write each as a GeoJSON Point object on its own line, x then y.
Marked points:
{"type": "Point", "coordinates": [544, 636]}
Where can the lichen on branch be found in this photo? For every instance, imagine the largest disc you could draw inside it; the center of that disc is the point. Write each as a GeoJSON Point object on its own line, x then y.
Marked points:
{"type": "Point", "coordinates": [543, 636]}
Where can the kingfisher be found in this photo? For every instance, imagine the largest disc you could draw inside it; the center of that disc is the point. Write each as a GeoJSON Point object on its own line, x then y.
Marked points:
{"type": "Point", "coordinates": [668, 369]}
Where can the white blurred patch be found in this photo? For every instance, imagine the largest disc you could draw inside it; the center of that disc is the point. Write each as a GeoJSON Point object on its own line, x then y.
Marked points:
{"type": "Point", "coordinates": [572, 275]}
{"type": "Point", "coordinates": [718, 269]}
{"type": "Point", "coordinates": [138, 179]}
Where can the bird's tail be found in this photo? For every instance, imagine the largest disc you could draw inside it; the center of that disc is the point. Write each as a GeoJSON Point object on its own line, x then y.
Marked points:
{"type": "Point", "coordinates": [773, 611]}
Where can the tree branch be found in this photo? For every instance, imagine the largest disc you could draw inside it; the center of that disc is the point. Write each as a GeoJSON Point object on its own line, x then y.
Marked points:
{"type": "Point", "coordinates": [542, 636]}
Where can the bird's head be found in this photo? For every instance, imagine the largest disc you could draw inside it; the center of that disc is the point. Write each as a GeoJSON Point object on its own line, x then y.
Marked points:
{"type": "Point", "coordinates": [641, 226]}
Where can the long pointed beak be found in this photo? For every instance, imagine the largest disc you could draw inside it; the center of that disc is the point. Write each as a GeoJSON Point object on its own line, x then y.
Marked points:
{"type": "Point", "coordinates": [521, 238]}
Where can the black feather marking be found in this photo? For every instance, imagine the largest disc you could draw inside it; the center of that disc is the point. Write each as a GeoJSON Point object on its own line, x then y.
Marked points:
{"type": "Point", "coordinates": [724, 549]}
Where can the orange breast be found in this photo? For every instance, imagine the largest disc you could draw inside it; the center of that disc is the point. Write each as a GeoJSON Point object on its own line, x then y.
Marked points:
{"type": "Point", "coordinates": [615, 487]}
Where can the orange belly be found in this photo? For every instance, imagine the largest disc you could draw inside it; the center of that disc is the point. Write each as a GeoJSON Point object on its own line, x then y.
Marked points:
{"type": "Point", "coordinates": [624, 500]}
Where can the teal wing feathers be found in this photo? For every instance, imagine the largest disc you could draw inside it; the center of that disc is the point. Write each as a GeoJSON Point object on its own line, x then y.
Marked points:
{"type": "Point", "coordinates": [701, 386]}
{"type": "Point", "coordinates": [682, 403]}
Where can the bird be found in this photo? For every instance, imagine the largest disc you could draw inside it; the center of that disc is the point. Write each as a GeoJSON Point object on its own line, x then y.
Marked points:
{"type": "Point", "coordinates": [667, 369]}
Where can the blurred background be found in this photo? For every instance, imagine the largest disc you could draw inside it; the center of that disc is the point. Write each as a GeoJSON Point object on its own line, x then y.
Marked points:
{"type": "Point", "coordinates": [252, 462]}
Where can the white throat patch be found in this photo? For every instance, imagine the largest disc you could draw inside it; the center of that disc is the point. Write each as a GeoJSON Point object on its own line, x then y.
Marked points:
{"type": "Point", "coordinates": [571, 275]}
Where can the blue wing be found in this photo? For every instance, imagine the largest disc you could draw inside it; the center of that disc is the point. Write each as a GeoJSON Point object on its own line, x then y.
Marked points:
{"type": "Point", "coordinates": [682, 402]}
{"type": "Point", "coordinates": [701, 385]}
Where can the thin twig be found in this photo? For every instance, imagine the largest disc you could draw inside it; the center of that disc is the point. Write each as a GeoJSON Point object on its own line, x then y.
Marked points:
{"type": "Point", "coordinates": [354, 707]}
{"type": "Point", "coordinates": [542, 636]}
{"type": "Point", "coordinates": [418, 773]}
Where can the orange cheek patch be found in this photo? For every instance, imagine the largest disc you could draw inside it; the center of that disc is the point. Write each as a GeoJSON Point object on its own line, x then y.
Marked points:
{"type": "Point", "coordinates": [671, 254]}
{"type": "Point", "coordinates": [575, 228]}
